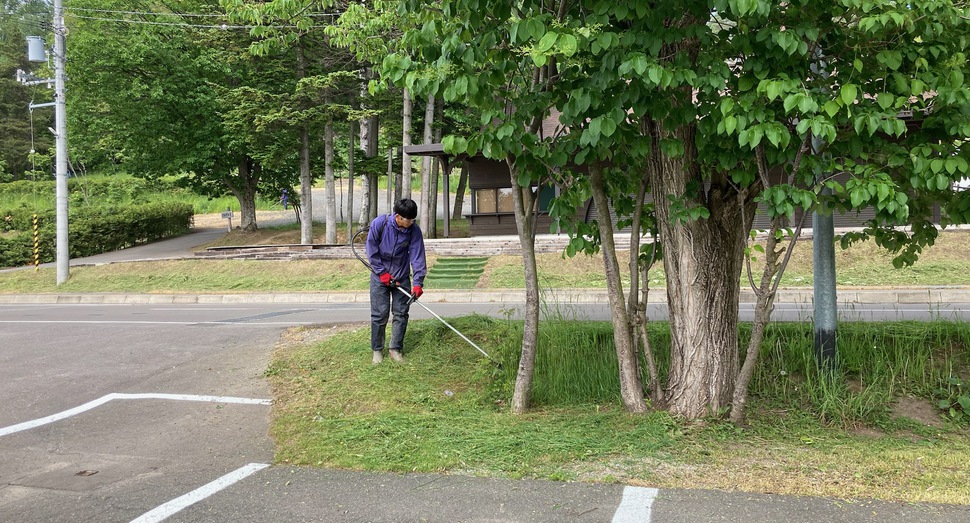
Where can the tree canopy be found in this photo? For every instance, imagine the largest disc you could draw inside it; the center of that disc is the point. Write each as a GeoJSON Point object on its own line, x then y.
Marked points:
{"type": "Point", "coordinates": [715, 107]}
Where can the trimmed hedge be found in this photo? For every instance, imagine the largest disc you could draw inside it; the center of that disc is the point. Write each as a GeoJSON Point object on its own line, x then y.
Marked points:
{"type": "Point", "coordinates": [92, 230]}
{"type": "Point", "coordinates": [107, 187]}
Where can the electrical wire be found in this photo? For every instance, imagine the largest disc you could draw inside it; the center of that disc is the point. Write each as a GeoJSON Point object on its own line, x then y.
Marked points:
{"type": "Point", "coordinates": [183, 15]}
{"type": "Point", "coordinates": [193, 26]}
{"type": "Point", "coordinates": [33, 151]}
{"type": "Point", "coordinates": [169, 24]}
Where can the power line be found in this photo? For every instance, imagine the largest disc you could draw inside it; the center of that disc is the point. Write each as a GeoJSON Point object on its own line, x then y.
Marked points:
{"type": "Point", "coordinates": [195, 26]}
{"type": "Point", "coordinates": [171, 24]}
{"type": "Point", "coordinates": [149, 13]}
{"type": "Point", "coordinates": [184, 15]}
{"type": "Point", "coordinates": [225, 26]}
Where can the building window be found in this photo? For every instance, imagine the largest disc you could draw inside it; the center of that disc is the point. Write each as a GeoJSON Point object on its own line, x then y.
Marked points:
{"type": "Point", "coordinates": [499, 200]}
{"type": "Point", "coordinates": [485, 200]}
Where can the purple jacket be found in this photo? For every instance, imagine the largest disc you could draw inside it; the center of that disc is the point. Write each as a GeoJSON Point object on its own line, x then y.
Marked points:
{"type": "Point", "coordinates": [396, 251]}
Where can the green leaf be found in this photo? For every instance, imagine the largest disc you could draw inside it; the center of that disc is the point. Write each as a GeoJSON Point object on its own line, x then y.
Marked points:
{"type": "Point", "coordinates": [791, 101]}
{"type": "Point", "coordinates": [605, 40]}
{"type": "Point", "coordinates": [831, 108]}
{"type": "Point", "coordinates": [514, 31]}
{"type": "Point", "coordinates": [807, 105]}
{"type": "Point", "coordinates": [655, 73]}
{"type": "Point", "coordinates": [882, 190]}
{"type": "Point", "coordinates": [956, 78]}
{"type": "Point", "coordinates": [755, 139]}
{"type": "Point", "coordinates": [539, 59]}
{"type": "Point", "coordinates": [964, 402]}
{"type": "Point", "coordinates": [639, 63]}
{"type": "Point", "coordinates": [774, 136]}
{"type": "Point", "coordinates": [951, 165]}
{"type": "Point", "coordinates": [918, 87]}
{"type": "Point", "coordinates": [536, 28]}
{"type": "Point", "coordinates": [608, 127]}
{"type": "Point", "coordinates": [730, 124]}
{"type": "Point", "coordinates": [772, 90]}
{"type": "Point", "coordinates": [568, 44]}
{"type": "Point", "coordinates": [848, 93]}
{"type": "Point", "coordinates": [885, 100]}
{"type": "Point", "coordinates": [547, 41]}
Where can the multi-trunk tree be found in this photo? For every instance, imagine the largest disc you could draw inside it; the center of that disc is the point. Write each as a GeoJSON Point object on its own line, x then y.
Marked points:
{"type": "Point", "coordinates": [709, 109]}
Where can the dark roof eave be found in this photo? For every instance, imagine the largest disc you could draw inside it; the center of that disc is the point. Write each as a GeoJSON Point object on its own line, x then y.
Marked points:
{"type": "Point", "coordinates": [431, 149]}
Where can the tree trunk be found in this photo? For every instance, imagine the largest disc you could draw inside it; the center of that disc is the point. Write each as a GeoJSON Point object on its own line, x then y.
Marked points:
{"type": "Point", "coordinates": [631, 390]}
{"type": "Point", "coordinates": [460, 192]}
{"type": "Point", "coordinates": [774, 267]}
{"type": "Point", "coordinates": [350, 184]}
{"type": "Point", "coordinates": [425, 203]}
{"type": "Point", "coordinates": [522, 201]}
{"type": "Point", "coordinates": [762, 315]}
{"type": "Point", "coordinates": [433, 200]}
{"type": "Point", "coordinates": [639, 284]}
{"type": "Point", "coordinates": [403, 186]}
{"type": "Point", "coordinates": [702, 260]}
{"type": "Point", "coordinates": [306, 181]}
{"type": "Point", "coordinates": [366, 200]}
{"type": "Point", "coordinates": [331, 193]}
{"type": "Point", "coordinates": [243, 187]}
{"type": "Point", "coordinates": [369, 127]}
{"type": "Point", "coordinates": [435, 170]}
{"type": "Point", "coordinates": [369, 131]}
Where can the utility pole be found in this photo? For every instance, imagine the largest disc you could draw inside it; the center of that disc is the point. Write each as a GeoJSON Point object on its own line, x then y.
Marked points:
{"type": "Point", "coordinates": [60, 131]}
{"type": "Point", "coordinates": [37, 53]}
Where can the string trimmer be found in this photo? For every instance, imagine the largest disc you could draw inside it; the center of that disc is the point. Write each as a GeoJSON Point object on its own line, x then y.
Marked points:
{"type": "Point", "coordinates": [411, 298]}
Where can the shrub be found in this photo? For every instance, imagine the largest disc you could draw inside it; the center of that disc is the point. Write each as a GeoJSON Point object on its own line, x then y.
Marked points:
{"type": "Point", "coordinates": [92, 230]}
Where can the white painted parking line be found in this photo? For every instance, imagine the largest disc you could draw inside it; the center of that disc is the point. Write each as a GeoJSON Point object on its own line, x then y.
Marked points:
{"type": "Point", "coordinates": [635, 505]}
{"type": "Point", "coordinates": [122, 396]}
{"type": "Point", "coordinates": [163, 511]}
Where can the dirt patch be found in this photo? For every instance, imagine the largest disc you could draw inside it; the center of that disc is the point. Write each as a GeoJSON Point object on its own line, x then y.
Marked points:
{"type": "Point", "coordinates": [216, 221]}
{"type": "Point", "coordinates": [309, 334]}
{"type": "Point", "coordinates": [867, 432]}
{"type": "Point", "coordinates": [917, 409]}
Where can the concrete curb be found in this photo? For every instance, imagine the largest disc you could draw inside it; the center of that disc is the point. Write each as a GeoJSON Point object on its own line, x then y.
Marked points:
{"type": "Point", "coordinates": [901, 296]}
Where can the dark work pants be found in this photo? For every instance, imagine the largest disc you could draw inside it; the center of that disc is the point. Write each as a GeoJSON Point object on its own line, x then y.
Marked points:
{"type": "Point", "coordinates": [383, 301]}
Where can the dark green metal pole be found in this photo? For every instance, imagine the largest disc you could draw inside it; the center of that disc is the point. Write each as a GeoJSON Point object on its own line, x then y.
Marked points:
{"type": "Point", "coordinates": [823, 257]}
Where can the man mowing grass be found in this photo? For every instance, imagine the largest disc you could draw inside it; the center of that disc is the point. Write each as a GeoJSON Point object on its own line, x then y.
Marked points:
{"type": "Point", "coordinates": [395, 247]}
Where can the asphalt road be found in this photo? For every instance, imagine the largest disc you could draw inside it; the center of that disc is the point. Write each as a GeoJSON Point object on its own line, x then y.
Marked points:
{"type": "Point", "coordinates": [150, 412]}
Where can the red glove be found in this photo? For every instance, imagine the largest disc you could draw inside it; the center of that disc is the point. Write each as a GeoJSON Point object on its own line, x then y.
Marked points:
{"type": "Point", "coordinates": [385, 278]}
{"type": "Point", "coordinates": [416, 291]}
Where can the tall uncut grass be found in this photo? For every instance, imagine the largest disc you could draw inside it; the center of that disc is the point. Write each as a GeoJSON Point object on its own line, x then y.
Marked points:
{"type": "Point", "coordinates": [576, 365]}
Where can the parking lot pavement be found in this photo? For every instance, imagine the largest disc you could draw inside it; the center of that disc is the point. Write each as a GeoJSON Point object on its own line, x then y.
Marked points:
{"type": "Point", "coordinates": [123, 457]}
{"type": "Point", "coordinates": [150, 419]}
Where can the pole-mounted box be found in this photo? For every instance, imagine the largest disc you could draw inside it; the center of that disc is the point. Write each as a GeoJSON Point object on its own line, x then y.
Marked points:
{"type": "Point", "coordinates": [36, 50]}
